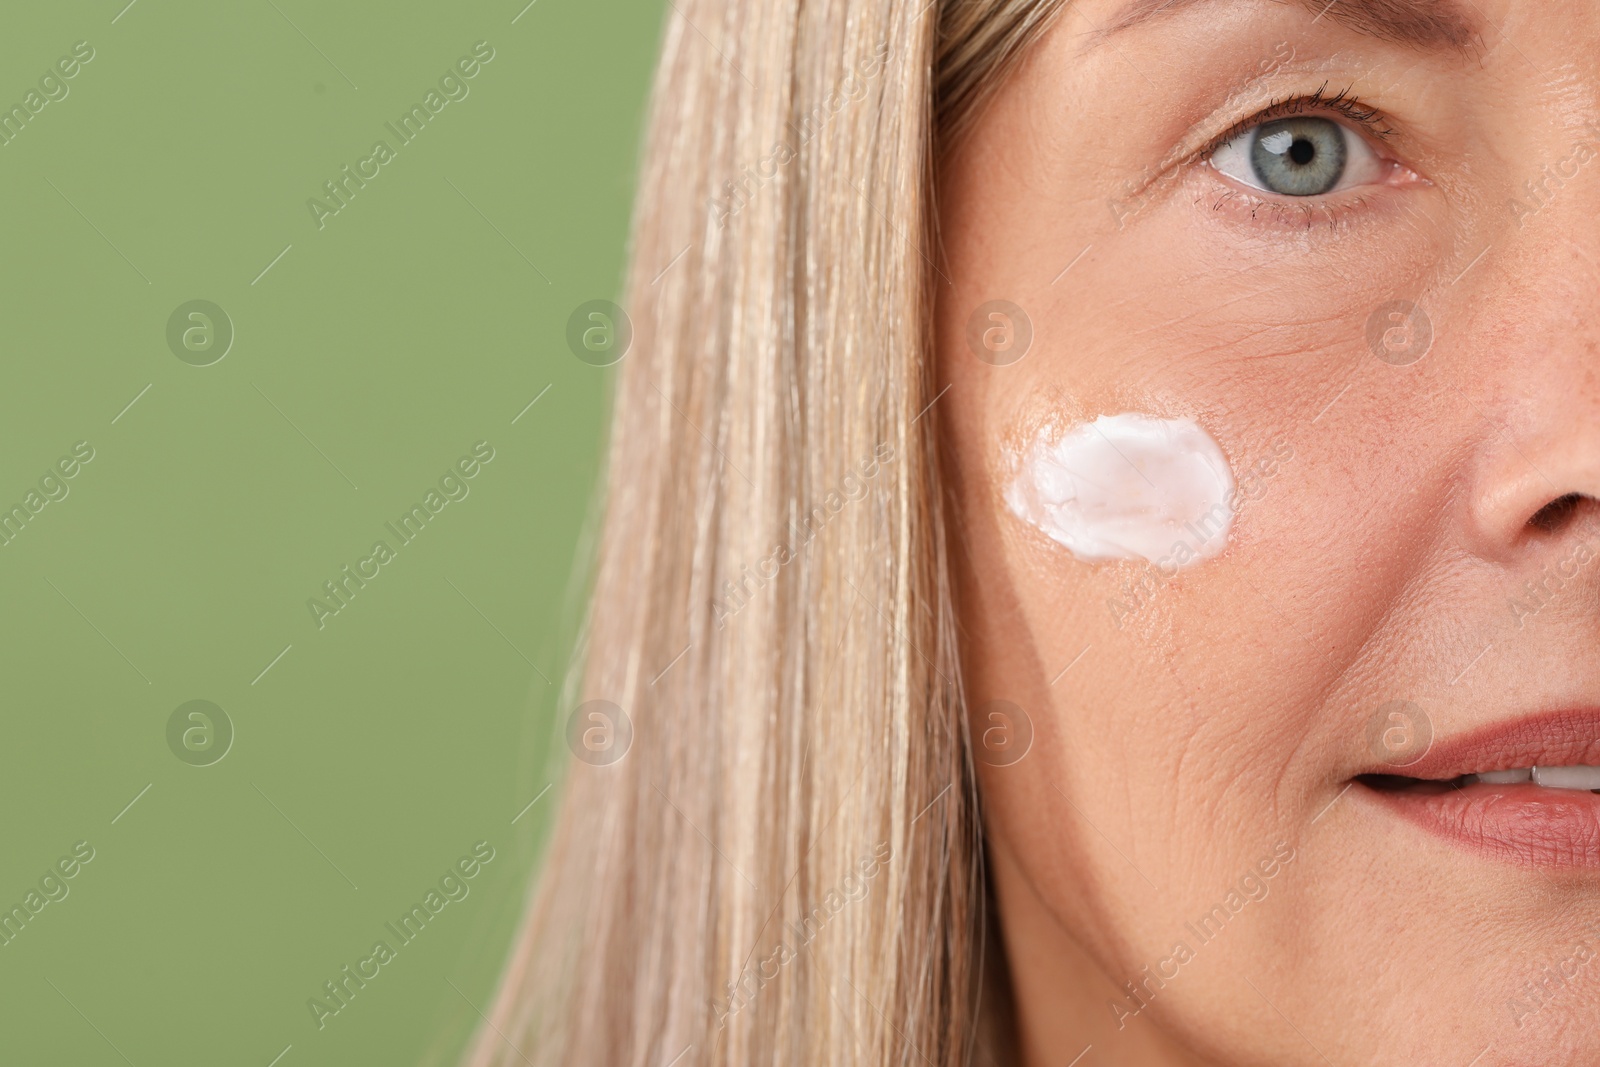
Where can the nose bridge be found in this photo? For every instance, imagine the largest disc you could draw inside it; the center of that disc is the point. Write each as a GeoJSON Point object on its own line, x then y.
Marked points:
{"type": "Point", "coordinates": [1562, 178]}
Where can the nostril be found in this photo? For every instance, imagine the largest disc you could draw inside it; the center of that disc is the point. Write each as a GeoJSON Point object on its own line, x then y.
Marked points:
{"type": "Point", "coordinates": [1557, 514]}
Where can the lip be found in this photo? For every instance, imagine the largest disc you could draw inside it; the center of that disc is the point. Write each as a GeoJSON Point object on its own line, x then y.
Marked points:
{"type": "Point", "coordinates": [1522, 824]}
{"type": "Point", "coordinates": [1554, 739]}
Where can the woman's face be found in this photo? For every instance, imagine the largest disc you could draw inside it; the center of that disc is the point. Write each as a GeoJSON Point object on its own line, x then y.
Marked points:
{"type": "Point", "coordinates": [1360, 250]}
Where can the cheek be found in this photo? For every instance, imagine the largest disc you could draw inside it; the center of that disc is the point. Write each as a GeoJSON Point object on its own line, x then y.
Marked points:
{"type": "Point", "coordinates": [1167, 703]}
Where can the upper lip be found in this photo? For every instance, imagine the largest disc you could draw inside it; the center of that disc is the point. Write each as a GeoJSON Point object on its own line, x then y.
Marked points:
{"type": "Point", "coordinates": [1552, 739]}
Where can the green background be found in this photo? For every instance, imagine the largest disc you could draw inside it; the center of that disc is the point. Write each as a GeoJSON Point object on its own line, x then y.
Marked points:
{"type": "Point", "coordinates": [374, 751]}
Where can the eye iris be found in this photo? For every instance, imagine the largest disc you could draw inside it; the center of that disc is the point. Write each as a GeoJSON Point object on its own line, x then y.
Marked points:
{"type": "Point", "coordinates": [1299, 156]}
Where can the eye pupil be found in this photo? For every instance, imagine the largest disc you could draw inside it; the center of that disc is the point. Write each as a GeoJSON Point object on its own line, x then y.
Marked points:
{"type": "Point", "coordinates": [1303, 156]}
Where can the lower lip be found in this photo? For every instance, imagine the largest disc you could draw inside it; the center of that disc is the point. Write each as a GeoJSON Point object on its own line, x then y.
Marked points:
{"type": "Point", "coordinates": [1527, 825]}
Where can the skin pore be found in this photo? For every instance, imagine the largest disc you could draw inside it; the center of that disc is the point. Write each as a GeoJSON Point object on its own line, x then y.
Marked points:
{"type": "Point", "coordinates": [1202, 739]}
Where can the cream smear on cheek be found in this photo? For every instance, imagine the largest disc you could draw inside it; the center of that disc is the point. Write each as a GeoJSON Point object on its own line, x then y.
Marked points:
{"type": "Point", "coordinates": [1126, 487]}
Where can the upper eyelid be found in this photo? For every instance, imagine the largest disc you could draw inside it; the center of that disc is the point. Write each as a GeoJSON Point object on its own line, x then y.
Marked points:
{"type": "Point", "coordinates": [1368, 118]}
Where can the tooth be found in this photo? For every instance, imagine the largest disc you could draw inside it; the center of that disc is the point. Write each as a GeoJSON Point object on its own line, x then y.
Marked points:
{"type": "Point", "coordinates": [1511, 777]}
{"type": "Point", "coordinates": [1567, 777]}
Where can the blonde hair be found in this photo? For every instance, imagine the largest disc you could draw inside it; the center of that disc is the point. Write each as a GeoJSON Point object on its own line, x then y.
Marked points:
{"type": "Point", "coordinates": [786, 865]}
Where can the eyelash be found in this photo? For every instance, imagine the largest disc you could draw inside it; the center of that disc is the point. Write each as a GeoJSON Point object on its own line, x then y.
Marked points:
{"type": "Point", "coordinates": [1344, 103]}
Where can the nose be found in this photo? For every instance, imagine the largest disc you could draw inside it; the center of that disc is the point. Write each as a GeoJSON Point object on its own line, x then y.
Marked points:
{"type": "Point", "coordinates": [1542, 487]}
{"type": "Point", "coordinates": [1537, 474]}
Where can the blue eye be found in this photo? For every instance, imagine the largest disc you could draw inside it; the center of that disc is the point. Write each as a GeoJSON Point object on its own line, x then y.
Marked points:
{"type": "Point", "coordinates": [1299, 156]}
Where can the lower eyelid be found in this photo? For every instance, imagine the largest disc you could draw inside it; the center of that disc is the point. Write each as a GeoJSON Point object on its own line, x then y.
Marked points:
{"type": "Point", "coordinates": [1243, 208]}
{"type": "Point", "coordinates": [1234, 204]}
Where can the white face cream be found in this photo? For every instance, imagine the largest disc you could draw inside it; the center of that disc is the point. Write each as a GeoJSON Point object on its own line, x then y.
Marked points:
{"type": "Point", "coordinates": [1128, 487]}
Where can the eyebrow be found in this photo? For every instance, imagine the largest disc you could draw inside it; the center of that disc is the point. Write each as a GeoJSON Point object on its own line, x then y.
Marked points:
{"type": "Point", "coordinates": [1425, 24]}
